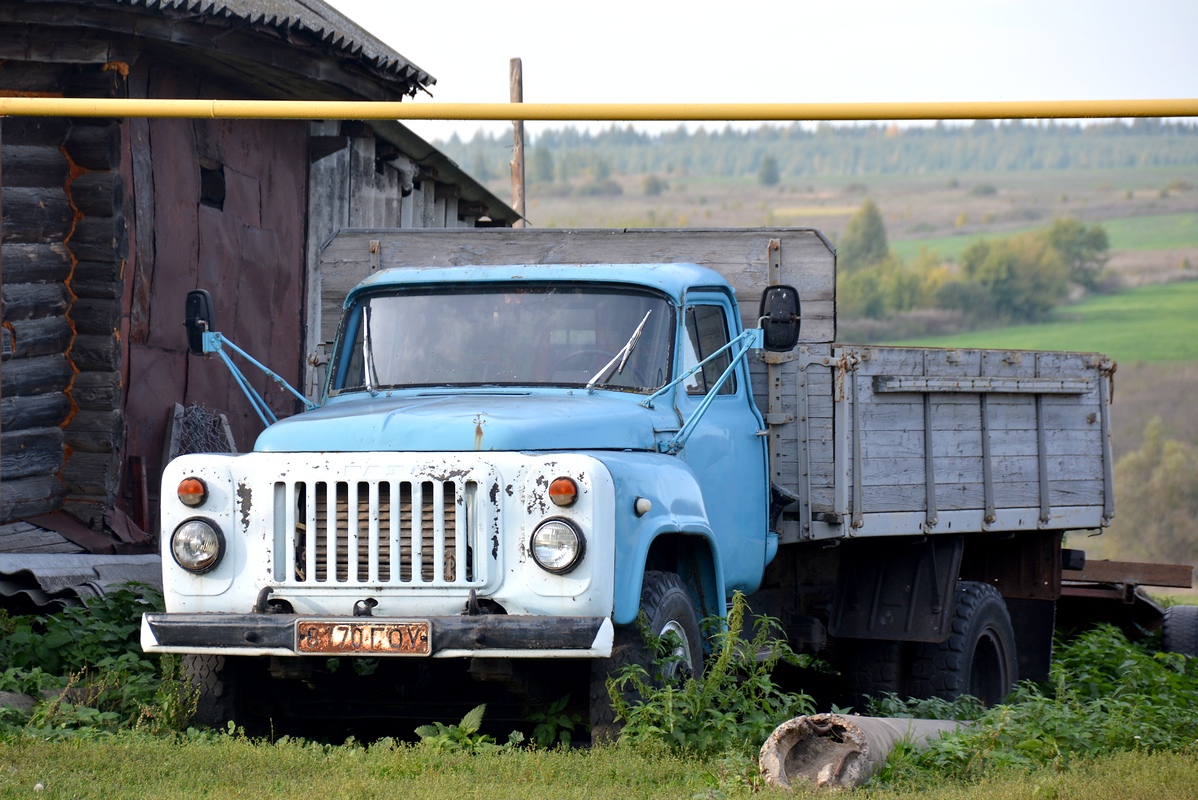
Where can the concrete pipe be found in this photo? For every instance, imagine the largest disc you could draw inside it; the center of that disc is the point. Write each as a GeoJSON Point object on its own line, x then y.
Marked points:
{"type": "Point", "coordinates": [831, 750]}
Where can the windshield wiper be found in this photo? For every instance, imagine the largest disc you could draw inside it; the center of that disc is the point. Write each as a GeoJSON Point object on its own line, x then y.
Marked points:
{"type": "Point", "coordinates": [622, 355]}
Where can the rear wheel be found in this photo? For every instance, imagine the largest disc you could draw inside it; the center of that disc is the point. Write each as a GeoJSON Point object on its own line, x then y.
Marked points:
{"type": "Point", "coordinates": [1179, 631]}
{"type": "Point", "coordinates": [978, 658]}
{"type": "Point", "coordinates": [669, 609]}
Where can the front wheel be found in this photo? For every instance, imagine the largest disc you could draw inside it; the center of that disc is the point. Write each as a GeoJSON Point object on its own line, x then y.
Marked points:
{"type": "Point", "coordinates": [668, 609]}
{"type": "Point", "coordinates": [978, 658]}
{"type": "Point", "coordinates": [215, 680]}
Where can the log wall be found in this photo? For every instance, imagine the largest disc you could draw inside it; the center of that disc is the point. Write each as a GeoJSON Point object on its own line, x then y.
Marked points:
{"type": "Point", "coordinates": [64, 244]}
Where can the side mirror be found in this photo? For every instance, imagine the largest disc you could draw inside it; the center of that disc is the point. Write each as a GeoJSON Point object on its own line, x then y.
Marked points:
{"type": "Point", "coordinates": [780, 317]}
{"type": "Point", "coordinates": [198, 320]}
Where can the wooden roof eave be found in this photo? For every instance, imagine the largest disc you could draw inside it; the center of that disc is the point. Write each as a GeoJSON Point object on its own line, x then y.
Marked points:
{"type": "Point", "coordinates": [447, 171]}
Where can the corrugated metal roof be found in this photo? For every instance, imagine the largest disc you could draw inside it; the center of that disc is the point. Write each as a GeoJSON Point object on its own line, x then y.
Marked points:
{"type": "Point", "coordinates": [320, 20]}
{"type": "Point", "coordinates": [48, 583]}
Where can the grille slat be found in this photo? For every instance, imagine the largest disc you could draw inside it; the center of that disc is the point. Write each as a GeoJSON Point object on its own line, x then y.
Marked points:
{"type": "Point", "coordinates": [384, 532]}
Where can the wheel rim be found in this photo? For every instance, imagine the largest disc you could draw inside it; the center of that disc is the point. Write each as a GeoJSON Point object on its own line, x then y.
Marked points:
{"type": "Point", "coordinates": [679, 664]}
{"type": "Point", "coordinates": [988, 678]}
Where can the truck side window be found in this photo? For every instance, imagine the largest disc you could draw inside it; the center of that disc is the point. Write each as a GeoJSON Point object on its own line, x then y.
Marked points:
{"type": "Point", "coordinates": [706, 332]}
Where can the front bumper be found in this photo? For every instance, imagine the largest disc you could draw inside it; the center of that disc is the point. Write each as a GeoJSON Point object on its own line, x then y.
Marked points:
{"type": "Point", "coordinates": [492, 636]}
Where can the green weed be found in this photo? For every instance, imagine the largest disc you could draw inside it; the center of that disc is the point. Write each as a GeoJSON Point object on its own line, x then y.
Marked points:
{"type": "Point", "coordinates": [1105, 696]}
{"type": "Point", "coordinates": [732, 707]}
{"type": "Point", "coordinates": [464, 737]}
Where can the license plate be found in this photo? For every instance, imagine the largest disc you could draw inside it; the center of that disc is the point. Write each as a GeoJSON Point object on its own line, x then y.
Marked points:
{"type": "Point", "coordinates": [375, 638]}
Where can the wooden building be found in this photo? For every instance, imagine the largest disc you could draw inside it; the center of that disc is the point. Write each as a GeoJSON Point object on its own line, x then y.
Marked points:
{"type": "Point", "coordinates": [108, 223]}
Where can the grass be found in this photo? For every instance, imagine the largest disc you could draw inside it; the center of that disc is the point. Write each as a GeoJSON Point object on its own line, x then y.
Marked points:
{"type": "Point", "coordinates": [1158, 232]}
{"type": "Point", "coordinates": [1150, 324]}
{"type": "Point", "coordinates": [135, 766]}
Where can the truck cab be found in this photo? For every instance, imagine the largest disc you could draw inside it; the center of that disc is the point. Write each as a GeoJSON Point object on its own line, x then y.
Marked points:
{"type": "Point", "coordinates": [508, 462]}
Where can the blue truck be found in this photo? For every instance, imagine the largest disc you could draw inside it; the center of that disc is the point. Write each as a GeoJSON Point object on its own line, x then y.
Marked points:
{"type": "Point", "coordinates": [528, 438]}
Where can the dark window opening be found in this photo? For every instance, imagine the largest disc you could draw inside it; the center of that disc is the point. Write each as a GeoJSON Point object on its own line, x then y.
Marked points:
{"type": "Point", "coordinates": [212, 185]}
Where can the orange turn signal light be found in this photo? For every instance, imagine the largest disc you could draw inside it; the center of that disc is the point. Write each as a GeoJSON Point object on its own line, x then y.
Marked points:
{"type": "Point", "coordinates": [563, 492]}
{"type": "Point", "coordinates": [192, 492]}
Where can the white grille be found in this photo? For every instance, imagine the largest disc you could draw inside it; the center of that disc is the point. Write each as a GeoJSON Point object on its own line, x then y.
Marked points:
{"type": "Point", "coordinates": [399, 532]}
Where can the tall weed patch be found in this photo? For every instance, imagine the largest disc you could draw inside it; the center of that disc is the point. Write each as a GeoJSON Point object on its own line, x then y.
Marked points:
{"type": "Point", "coordinates": [732, 707]}
{"type": "Point", "coordinates": [86, 669]}
{"type": "Point", "coordinates": [1105, 695]}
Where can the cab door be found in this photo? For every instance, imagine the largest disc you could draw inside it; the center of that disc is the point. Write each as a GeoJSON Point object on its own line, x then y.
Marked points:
{"type": "Point", "coordinates": [726, 451]}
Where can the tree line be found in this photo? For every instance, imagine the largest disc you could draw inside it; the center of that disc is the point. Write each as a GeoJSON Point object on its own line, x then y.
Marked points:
{"type": "Point", "coordinates": [568, 155]}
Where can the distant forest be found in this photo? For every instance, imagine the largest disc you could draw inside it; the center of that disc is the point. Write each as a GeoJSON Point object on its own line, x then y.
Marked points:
{"type": "Point", "coordinates": [835, 150]}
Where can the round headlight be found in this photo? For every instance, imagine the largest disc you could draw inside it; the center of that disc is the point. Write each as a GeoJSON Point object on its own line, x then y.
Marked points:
{"type": "Point", "coordinates": [557, 546]}
{"type": "Point", "coordinates": [197, 545]}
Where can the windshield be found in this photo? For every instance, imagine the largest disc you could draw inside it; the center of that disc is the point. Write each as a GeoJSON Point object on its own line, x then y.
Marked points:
{"type": "Point", "coordinates": [529, 336]}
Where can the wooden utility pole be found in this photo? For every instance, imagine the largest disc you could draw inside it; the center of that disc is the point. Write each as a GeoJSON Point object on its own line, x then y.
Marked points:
{"type": "Point", "coordinates": [516, 76]}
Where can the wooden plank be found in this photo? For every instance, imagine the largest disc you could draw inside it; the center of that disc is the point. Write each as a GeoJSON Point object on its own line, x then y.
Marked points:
{"type": "Point", "coordinates": [96, 353]}
{"type": "Point", "coordinates": [1176, 575]}
{"type": "Point", "coordinates": [30, 452]}
{"type": "Point", "coordinates": [142, 219]}
{"type": "Point", "coordinates": [903, 471]}
{"type": "Point", "coordinates": [328, 212]}
{"type": "Point", "coordinates": [34, 301]}
{"type": "Point", "coordinates": [740, 255]}
{"type": "Point", "coordinates": [30, 376]}
{"type": "Point", "coordinates": [22, 537]}
{"type": "Point", "coordinates": [34, 165]}
{"type": "Point", "coordinates": [36, 215]}
{"type": "Point", "coordinates": [97, 390]}
{"type": "Point", "coordinates": [33, 411]}
{"type": "Point", "coordinates": [39, 337]}
{"type": "Point", "coordinates": [95, 431]}
{"type": "Point", "coordinates": [27, 497]}
{"type": "Point", "coordinates": [36, 262]}
{"type": "Point", "coordinates": [91, 475]}
{"type": "Point", "coordinates": [96, 316]}
{"type": "Point", "coordinates": [967, 442]}
{"type": "Point", "coordinates": [971, 496]}
{"type": "Point", "coordinates": [100, 238]}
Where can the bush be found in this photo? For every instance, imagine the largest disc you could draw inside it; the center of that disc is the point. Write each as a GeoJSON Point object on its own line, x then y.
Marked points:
{"type": "Point", "coordinates": [86, 667]}
{"type": "Point", "coordinates": [1105, 695]}
{"type": "Point", "coordinates": [731, 708]}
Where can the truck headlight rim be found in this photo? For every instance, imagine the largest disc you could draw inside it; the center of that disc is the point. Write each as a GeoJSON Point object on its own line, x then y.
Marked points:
{"type": "Point", "coordinates": [563, 535]}
{"type": "Point", "coordinates": [211, 542]}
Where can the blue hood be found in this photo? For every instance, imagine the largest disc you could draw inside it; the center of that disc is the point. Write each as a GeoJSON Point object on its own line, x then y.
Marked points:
{"type": "Point", "coordinates": [429, 422]}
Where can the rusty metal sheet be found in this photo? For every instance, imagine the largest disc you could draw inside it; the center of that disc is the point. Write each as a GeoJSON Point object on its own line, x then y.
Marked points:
{"type": "Point", "coordinates": [407, 638]}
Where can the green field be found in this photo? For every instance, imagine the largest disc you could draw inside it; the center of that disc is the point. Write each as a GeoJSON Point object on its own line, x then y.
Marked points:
{"type": "Point", "coordinates": [1151, 324]}
{"type": "Point", "coordinates": [137, 767]}
{"type": "Point", "coordinates": [1160, 232]}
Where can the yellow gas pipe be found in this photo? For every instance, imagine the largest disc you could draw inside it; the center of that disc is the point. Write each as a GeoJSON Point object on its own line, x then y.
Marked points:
{"type": "Point", "coordinates": [592, 112]}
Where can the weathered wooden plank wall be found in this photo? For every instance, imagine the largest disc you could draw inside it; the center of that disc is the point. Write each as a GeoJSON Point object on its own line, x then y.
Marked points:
{"type": "Point", "coordinates": [894, 449]}
{"type": "Point", "coordinates": [247, 249]}
{"type": "Point", "coordinates": [358, 180]}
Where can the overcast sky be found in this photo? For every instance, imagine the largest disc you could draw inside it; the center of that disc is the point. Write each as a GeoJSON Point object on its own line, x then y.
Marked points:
{"type": "Point", "coordinates": [797, 51]}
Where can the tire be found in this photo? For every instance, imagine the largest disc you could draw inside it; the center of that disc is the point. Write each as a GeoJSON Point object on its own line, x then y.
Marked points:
{"type": "Point", "coordinates": [215, 680]}
{"type": "Point", "coordinates": [979, 656]}
{"type": "Point", "coordinates": [1179, 631]}
{"type": "Point", "coordinates": [668, 607]}
{"type": "Point", "coordinates": [875, 668]}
